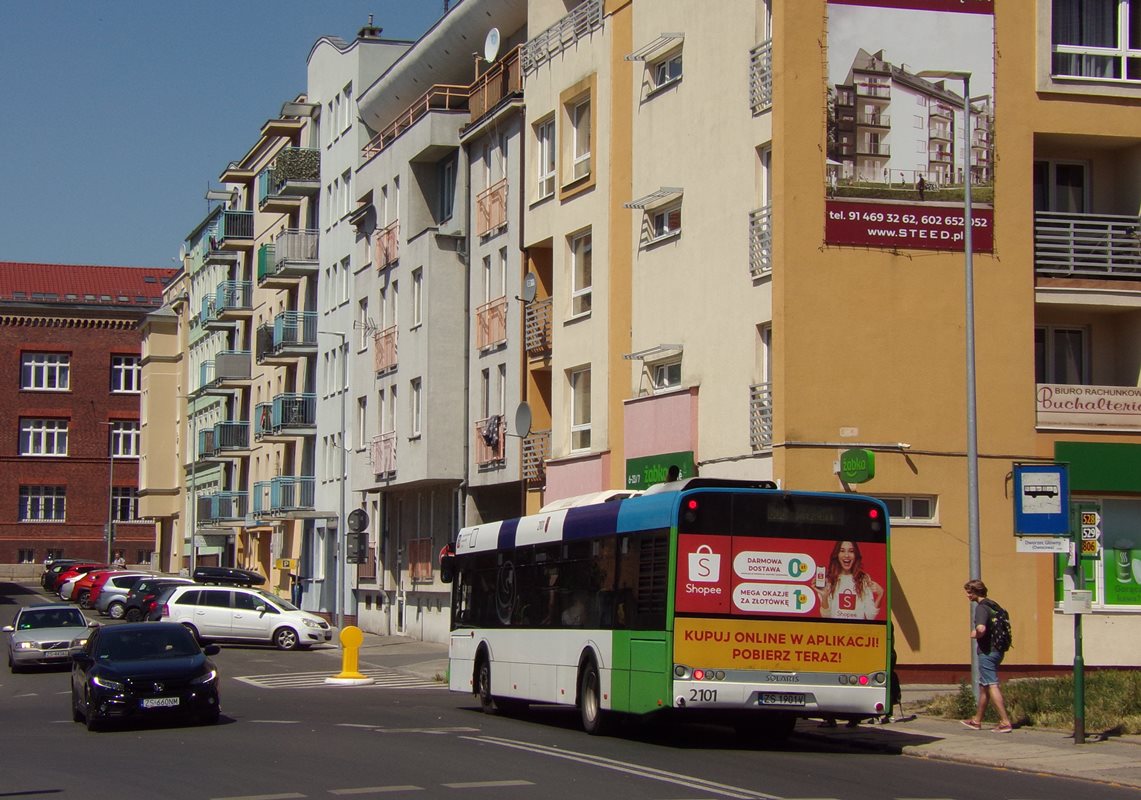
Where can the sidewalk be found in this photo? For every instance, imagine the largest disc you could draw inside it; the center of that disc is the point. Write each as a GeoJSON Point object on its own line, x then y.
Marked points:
{"type": "Point", "coordinates": [1115, 760]}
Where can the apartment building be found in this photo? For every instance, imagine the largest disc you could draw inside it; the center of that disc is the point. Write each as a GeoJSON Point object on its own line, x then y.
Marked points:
{"type": "Point", "coordinates": [70, 390]}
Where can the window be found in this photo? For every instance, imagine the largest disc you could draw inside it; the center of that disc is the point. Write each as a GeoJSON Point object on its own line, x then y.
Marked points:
{"type": "Point", "coordinates": [43, 504]}
{"type": "Point", "coordinates": [484, 393]}
{"type": "Point", "coordinates": [666, 374]}
{"type": "Point", "coordinates": [362, 421]}
{"type": "Point", "coordinates": [346, 275]}
{"type": "Point", "coordinates": [125, 504]}
{"type": "Point", "coordinates": [126, 374]}
{"type": "Point", "coordinates": [580, 409]}
{"type": "Point", "coordinates": [124, 440]}
{"type": "Point", "coordinates": [446, 186]}
{"type": "Point", "coordinates": [910, 508]}
{"type": "Point", "coordinates": [502, 272]}
{"type": "Point", "coordinates": [667, 71]}
{"type": "Point", "coordinates": [580, 127]}
{"type": "Point", "coordinates": [545, 134]}
{"type": "Point", "coordinates": [582, 276]}
{"type": "Point", "coordinates": [144, 556]}
{"type": "Point", "coordinates": [417, 296]}
{"type": "Point", "coordinates": [1060, 355]}
{"type": "Point", "coordinates": [1097, 39]}
{"type": "Point", "coordinates": [363, 325]}
{"type": "Point", "coordinates": [1060, 186]}
{"type": "Point", "coordinates": [45, 372]}
{"type": "Point", "coordinates": [665, 222]}
{"type": "Point", "coordinates": [346, 193]}
{"type": "Point", "coordinates": [487, 278]}
{"type": "Point", "coordinates": [26, 556]}
{"type": "Point", "coordinates": [43, 437]}
{"type": "Point", "coordinates": [415, 407]}
{"type": "Point", "coordinates": [347, 108]}
{"type": "Point", "coordinates": [1114, 570]}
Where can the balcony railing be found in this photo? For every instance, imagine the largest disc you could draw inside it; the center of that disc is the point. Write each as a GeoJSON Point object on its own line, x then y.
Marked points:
{"type": "Point", "coordinates": [761, 76]}
{"type": "Point", "coordinates": [503, 78]}
{"type": "Point", "coordinates": [233, 296]}
{"type": "Point", "coordinates": [761, 416]}
{"type": "Point", "coordinates": [537, 327]}
{"type": "Point", "coordinates": [384, 454]}
{"type": "Point", "coordinates": [1093, 245]}
{"type": "Point", "coordinates": [874, 120]}
{"type": "Point", "coordinates": [234, 225]}
{"type": "Point", "coordinates": [295, 171]}
{"type": "Point", "coordinates": [206, 446]}
{"type": "Point", "coordinates": [868, 89]}
{"type": "Point", "coordinates": [227, 366]}
{"type": "Point", "coordinates": [288, 412]}
{"type": "Point", "coordinates": [384, 344]}
{"type": "Point", "coordinates": [294, 329]}
{"type": "Point", "coordinates": [536, 451]}
{"type": "Point", "coordinates": [873, 149]}
{"type": "Point", "coordinates": [267, 262]}
{"type": "Point", "coordinates": [491, 323]}
{"type": "Point", "coordinates": [441, 97]}
{"type": "Point", "coordinates": [491, 208]}
{"type": "Point", "coordinates": [284, 494]}
{"type": "Point", "coordinates": [761, 241]}
{"type": "Point", "coordinates": [582, 19]}
{"type": "Point", "coordinates": [295, 245]}
{"type": "Point", "coordinates": [489, 438]}
{"type": "Point", "coordinates": [388, 244]}
{"type": "Point", "coordinates": [223, 507]}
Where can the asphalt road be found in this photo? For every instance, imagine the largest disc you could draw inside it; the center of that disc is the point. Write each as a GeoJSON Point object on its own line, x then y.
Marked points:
{"type": "Point", "coordinates": [285, 734]}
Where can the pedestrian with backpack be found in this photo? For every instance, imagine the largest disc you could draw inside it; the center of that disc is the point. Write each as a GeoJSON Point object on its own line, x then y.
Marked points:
{"type": "Point", "coordinates": [991, 633]}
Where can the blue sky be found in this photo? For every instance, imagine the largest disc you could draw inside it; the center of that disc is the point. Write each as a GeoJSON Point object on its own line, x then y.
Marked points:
{"type": "Point", "coordinates": [118, 113]}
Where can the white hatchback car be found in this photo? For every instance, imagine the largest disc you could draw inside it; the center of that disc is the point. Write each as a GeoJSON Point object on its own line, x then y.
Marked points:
{"type": "Point", "coordinates": [238, 614]}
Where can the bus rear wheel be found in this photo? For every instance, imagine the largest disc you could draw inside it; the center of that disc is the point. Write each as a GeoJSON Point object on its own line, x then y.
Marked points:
{"type": "Point", "coordinates": [483, 686]}
{"type": "Point", "coordinates": [595, 720]}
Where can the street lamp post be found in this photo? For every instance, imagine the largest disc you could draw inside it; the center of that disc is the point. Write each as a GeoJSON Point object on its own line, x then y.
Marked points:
{"type": "Point", "coordinates": [973, 549]}
{"type": "Point", "coordinates": [342, 531]}
{"type": "Point", "coordinates": [111, 498]}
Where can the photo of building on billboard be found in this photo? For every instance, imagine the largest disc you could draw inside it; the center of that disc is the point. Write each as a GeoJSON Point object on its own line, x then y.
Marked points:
{"type": "Point", "coordinates": [897, 145]}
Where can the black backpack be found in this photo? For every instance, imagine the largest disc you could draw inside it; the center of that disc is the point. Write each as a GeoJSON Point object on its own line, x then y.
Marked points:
{"type": "Point", "coordinates": [1001, 638]}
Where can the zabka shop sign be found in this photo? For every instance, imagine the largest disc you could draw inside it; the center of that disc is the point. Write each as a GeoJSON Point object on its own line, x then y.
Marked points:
{"type": "Point", "coordinates": [916, 227]}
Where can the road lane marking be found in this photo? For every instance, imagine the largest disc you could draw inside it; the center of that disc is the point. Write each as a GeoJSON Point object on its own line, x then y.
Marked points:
{"type": "Point", "coordinates": [377, 790]}
{"type": "Point", "coordinates": [486, 784]}
{"type": "Point", "coordinates": [285, 796]}
{"type": "Point", "coordinates": [637, 770]}
{"type": "Point", "coordinates": [384, 678]}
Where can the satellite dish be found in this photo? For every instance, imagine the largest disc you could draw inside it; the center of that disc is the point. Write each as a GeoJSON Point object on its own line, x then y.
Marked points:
{"type": "Point", "coordinates": [182, 253]}
{"type": "Point", "coordinates": [491, 45]}
{"type": "Point", "coordinates": [523, 420]}
{"type": "Point", "coordinates": [530, 287]}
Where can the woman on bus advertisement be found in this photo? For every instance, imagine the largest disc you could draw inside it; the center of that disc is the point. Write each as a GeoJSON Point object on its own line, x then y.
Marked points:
{"type": "Point", "coordinates": [846, 590]}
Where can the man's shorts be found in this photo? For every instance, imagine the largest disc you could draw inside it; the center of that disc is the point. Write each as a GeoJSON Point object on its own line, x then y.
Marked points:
{"type": "Point", "coordinates": [988, 667]}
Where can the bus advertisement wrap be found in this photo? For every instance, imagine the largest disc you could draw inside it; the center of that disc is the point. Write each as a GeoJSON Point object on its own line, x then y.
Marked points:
{"type": "Point", "coordinates": [807, 578]}
{"type": "Point", "coordinates": [783, 646]}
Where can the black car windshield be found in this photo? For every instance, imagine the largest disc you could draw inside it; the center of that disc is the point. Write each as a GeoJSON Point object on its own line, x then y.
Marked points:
{"type": "Point", "coordinates": [137, 645]}
{"type": "Point", "coordinates": [51, 618]}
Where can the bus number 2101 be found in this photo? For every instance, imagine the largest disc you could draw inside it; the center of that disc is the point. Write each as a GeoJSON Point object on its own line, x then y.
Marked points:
{"type": "Point", "coordinates": [703, 695]}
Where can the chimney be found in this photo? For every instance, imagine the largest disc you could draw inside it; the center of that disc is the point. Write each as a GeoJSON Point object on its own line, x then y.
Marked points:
{"type": "Point", "coordinates": [369, 31]}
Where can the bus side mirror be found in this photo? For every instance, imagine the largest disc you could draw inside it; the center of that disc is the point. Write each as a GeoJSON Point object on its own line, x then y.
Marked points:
{"type": "Point", "coordinates": [447, 568]}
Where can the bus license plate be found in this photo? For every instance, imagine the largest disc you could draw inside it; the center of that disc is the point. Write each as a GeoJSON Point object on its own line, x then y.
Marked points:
{"type": "Point", "coordinates": [781, 699]}
{"type": "Point", "coordinates": [159, 702]}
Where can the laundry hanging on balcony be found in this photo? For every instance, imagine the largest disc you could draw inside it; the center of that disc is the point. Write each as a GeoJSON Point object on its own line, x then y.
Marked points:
{"type": "Point", "coordinates": [490, 430]}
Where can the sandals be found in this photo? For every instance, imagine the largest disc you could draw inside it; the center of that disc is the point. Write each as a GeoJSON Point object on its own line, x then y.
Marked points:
{"type": "Point", "coordinates": [970, 723]}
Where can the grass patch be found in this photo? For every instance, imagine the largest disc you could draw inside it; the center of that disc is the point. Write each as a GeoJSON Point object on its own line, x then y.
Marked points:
{"type": "Point", "coordinates": [1113, 702]}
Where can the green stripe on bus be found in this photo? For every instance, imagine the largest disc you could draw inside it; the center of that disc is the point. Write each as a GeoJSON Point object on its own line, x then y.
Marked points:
{"type": "Point", "coordinates": [641, 681]}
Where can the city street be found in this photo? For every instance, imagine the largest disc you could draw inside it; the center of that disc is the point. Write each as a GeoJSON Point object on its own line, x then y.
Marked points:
{"type": "Point", "coordinates": [285, 734]}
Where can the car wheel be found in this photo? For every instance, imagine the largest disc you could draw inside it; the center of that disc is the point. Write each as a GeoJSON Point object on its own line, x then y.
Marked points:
{"type": "Point", "coordinates": [93, 723]}
{"type": "Point", "coordinates": [133, 615]}
{"type": "Point", "coordinates": [594, 719]}
{"type": "Point", "coordinates": [286, 639]}
{"type": "Point", "coordinates": [85, 599]}
{"type": "Point", "coordinates": [115, 611]}
{"type": "Point", "coordinates": [76, 712]}
{"type": "Point", "coordinates": [210, 717]}
{"type": "Point", "coordinates": [13, 666]}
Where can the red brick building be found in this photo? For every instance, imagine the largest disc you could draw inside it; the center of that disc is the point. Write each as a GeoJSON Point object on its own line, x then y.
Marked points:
{"type": "Point", "coordinates": [69, 409]}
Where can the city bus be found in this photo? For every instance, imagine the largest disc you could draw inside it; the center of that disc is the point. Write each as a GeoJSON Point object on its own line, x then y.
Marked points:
{"type": "Point", "coordinates": [713, 599]}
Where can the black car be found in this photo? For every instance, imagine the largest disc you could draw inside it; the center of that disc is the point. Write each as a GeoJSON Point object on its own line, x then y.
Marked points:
{"type": "Point", "coordinates": [228, 576]}
{"type": "Point", "coordinates": [143, 671]}
{"type": "Point", "coordinates": [141, 599]}
{"type": "Point", "coordinates": [54, 566]}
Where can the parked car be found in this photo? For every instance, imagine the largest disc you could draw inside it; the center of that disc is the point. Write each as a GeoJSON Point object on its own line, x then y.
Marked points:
{"type": "Point", "coordinates": [70, 578]}
{"type": "Point", "coordinates": [238, 614]}
{"type": "Point", "coordinates": [143, 671]}
{"type": "Point", "coordinates": [54, 566]}
{"type": "Point", "coordinates": [228, 576]}
{"type": "Point", "coordinates": [81, 589]}
{"type": "Point", "coordinates": [45, 634]}
{"type": "Point", "coordinates": [141, 598]}
{"type": "Point", "coordinates": [68, 571]}
{"type": "Point", "coordinates": [114, 590]}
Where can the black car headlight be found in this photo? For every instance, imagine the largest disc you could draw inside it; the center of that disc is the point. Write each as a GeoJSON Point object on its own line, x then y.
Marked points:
{"type": "Point", "coordinates": [107, 683]}
{"type": "Point", "coordinates": [208, 677]}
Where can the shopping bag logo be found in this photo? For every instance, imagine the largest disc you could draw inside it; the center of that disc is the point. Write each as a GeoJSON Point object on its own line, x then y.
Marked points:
{"type": "Point", "coordinates": [847, 601]}
{"type": "Point", "coordinates": [704, 565]}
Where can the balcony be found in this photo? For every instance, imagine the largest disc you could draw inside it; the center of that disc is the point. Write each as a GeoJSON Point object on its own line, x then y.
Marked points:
{"type": "Point", "coordinates": [235, 231]}
{"type": "Point", "coordinates": [441, 97]}
{"type": "Point", "coordinates": [940, 132]}
{"type": "Point", "coordinates": [206, 448]}
{"type": "Point", "coordinates": [230, 369]}
{"type": "Point", "coordinates": [940, 110]}
{"type": "Point", "coordinates": [491, 209]}
{"type": "Point", "coordinates": [489, 439]}
{"type": "Point", "coordinates": [292, 335]}
{"type": "Point", "coordinates": [222, 507]}
{"type": "Point", "coordinates": [1088, 407]}
{"type": "Point", "coordinates": [230, 437]}
{"type": "Point", "coordinates": [284, 495]}
{"type": "Point", "coordinates": [294, 175]}
{"type": "Point", "coordinates": [581, 21]}
{"type": "Point", "coordinates": [231, 302]}
{"type": "Point", "coordinates": [292, 256]}
{"type": "Point", "coordinates": [502, 79]}
{"type": "Point", "coordinates": [536, 451]}
{"type": "Point", "coordinates": [761, 241]}
{"type": "Point", "coordinates": [1087, 245]}
{"type": "Point", "coordinates": [761, 77]}
{"type": "Point", "coordinates": [940, 157]}
{"type": "Point", "coordinates": [387, 245]}
{"type": "Point", "coordinates": [873, 149]}
{"type": "Point", "coordinates": [872, 90]}
{"type": "Point", "coordinates": [383, 454]}
{"type": "Point", "coordinates": [491, 324]}
{"type": "Point", "coordinates": [289, 416]}
{"type": "Point", "coordinates": [537, 328]}
{"type": "Point", "coordinates": [761, 416]}
{"type": "Point", "coordinates": [384, 347]}
{"type": "Point", "coordinates": [873, 120]}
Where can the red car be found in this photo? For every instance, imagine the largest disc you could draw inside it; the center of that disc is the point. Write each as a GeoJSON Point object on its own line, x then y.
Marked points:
{"type": "Point", "coordinates": [87, 595]}
{"type": "Point", "coordinates": [56, 581]}
{"type": "Point", "coordinates": [82, 587]}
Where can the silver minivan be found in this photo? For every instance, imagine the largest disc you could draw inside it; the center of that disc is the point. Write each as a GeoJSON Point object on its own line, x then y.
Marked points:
{"type": "Point", "coordinates": [239, 614]}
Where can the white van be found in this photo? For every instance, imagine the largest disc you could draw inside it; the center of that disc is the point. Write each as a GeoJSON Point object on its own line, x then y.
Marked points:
{"type": "Point", "coordinates": [238, 614]}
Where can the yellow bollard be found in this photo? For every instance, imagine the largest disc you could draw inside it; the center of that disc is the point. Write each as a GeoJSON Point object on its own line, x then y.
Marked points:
{"type": "Point", "coordinates": [351, 639]}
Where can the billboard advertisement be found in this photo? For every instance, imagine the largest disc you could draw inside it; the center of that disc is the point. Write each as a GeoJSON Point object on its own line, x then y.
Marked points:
{"type": "Point", "coordinates": [903, 139]}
